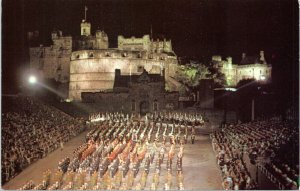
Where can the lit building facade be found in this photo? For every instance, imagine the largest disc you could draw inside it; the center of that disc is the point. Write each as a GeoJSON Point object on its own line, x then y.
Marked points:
{"type": "Point", "coordinates": [250, 67]}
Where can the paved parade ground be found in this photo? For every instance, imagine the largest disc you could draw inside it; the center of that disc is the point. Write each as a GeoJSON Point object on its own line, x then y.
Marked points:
{"type": "Point", "coordinates": [199, 165]}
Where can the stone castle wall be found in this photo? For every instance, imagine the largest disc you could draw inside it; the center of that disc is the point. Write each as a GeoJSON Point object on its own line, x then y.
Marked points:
{"type": "Point", "coordinates": [256, 71]}
{"type": "Point", "coordinates": [134, 43]}
{"type": "Point", "coordinates": [100, 102]}
{"type": "Point", "coordinates": [94, 70]}
{"type": "Point", "coordinates": [52, 61]}
{"type": "Point", "coordinates": [111, 101]}
{"type": "Point", "coordinates": [145, 43]}
{"type": "Point", "coordinates": [99, 41]}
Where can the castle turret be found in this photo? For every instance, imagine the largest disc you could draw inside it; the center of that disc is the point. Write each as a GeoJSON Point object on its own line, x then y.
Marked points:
{"type": "Point", "coordinates": [101, 40]}
{"type": "Point", "coordinates": [243, 55]}
{"type": "Point", "coordinates": [169, 46]}
{"type": "Point", "coordinates": [98, 34]}
{"type": "Point", "coordinates": [60, 34]}
{"type": "Point", "coordinates": [262, 56]}
{"type": "Point", "coordinates": [85, 28]}
{"type": "Point", "coordinates": [229, 62]}
{"type": "Point", "coordinates": [54, 34]}
{"type": "Point", "coordinates": [216, 58]}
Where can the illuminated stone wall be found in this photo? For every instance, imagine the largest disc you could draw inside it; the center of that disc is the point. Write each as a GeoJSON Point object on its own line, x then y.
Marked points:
{"type": "Point", "coordinates": [236, 73]}
{"type": "Point", "coordinates": [260, 72]}
{"type": "Point", "coordinates": [144, 43]}
{"type": "Point", "coordinates": [258, 69]}
{"type": "Point", "coordinates": [134, 43]}
{"type": "Point", "coordinates": [98, 41]}
{"type": "Point", "coordinates": [94, 70]}
{"type": "Point", "coordinates": [53, 61]}
{"type": "Point", "coordinates": [131, 102]}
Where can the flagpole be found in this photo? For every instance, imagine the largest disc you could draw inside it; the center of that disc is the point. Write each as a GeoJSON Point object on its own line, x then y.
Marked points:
{"type": "Point", "coordinates": [85, 9]}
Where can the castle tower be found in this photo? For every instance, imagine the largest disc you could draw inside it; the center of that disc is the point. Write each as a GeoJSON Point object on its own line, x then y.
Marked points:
{"type": "Point", "coordinates": [170, 46]}
{"type": "Point", "coordinates": [229, 62]}
{"type": "Point", "coordinates": [85, 26]}
{"type": "Point", "coordinates": [54, 34]}
{"type": "Point", "coordinates": [243, 55]}
{"type": "Point", "coordinates": [101, 40]}
{"type": "Point", "coordinates": [262, 56]}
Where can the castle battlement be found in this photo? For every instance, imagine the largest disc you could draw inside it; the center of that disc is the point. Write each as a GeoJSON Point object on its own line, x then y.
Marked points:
{"type": "Point", "coordinates": [144, 43]}
{"type": "Point", "coordinates": [120, 54]}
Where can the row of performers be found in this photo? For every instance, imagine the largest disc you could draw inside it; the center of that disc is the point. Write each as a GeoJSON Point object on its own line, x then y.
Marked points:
{"type": "Point", "coordinates": [167, 117]}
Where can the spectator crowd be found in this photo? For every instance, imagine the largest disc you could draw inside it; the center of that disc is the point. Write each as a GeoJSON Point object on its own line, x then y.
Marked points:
{"type": "Point", "coordinates": [233, 169]}
{"type": "Point", "coordinates": [30, 131]}
{"type": "Point", "coordinates": [271, 144]}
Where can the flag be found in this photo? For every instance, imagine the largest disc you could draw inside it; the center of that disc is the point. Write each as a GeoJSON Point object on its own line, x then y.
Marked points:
{"type": "Point", "coordinates": [85, 8]}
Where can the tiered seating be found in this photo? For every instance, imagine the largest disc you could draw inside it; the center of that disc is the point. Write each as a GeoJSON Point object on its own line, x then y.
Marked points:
{"type": "Point", "coordinates": [30, 131]}
{"type": "Point", "coordinates": [272, 143]}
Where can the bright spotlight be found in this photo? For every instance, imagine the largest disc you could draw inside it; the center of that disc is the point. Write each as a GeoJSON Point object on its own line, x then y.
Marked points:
{"type": "Point", "coordinates": [68, 100]}
{"type": "Point", "coordinates": [227, 89]}
{"type": "Point", "coordinates": [32, 79]}
{"type": "Point", "coordinates": [262, 77]}
{"type": "Point", "coordinates": [231, 89]}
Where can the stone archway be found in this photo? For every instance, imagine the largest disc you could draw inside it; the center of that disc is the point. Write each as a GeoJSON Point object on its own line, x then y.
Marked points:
{"type": "Point", "coordinates": [144, 107]}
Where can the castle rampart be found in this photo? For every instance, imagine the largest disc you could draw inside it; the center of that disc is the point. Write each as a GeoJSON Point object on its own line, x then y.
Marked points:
{"type": "Point", "coordinates": [94, 70]}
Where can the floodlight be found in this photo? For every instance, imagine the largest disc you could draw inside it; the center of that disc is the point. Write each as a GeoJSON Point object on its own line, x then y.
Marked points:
{"type": "Point", "coordinates": [231, 89]}
{"type": "Point", "coordinates": [32, 79]}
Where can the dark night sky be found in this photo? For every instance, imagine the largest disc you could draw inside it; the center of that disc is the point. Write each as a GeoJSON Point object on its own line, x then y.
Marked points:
{"type": "Point", "coordinates": [198, 28]}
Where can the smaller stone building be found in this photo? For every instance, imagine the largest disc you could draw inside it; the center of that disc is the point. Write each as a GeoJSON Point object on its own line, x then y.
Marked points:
{"type": "Point", "coordinates": [134, 93]}
{"type": "Point", "coordinates": [250, 67]}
